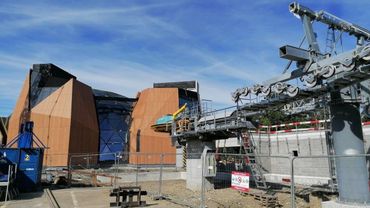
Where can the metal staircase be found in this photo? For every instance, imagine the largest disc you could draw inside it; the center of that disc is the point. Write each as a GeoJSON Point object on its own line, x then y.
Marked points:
{"type": "Point", "coordinates": [253, 160]}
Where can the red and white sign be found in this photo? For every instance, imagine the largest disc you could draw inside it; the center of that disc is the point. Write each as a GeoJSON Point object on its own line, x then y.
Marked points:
{"type": "Point", "coordinates": [240, 181]}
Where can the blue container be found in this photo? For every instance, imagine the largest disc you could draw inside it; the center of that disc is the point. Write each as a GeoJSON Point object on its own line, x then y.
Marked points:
{"type": "Point", "coordinates": [29, 162]}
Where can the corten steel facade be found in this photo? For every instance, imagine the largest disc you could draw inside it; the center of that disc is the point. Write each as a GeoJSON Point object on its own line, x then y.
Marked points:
{"type": "Point", "coordinates": [63, 110]}
{"type": "Point", "coordinates": [152, 104]}
{"type": "Point", "coordinates": [71, 118]}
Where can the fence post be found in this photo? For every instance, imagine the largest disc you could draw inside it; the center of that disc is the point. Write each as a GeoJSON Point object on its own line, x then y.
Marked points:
{"type": "Point", "coordinates": [202, 192]}
{"type": "Point", "coordinates": [292, 188]}
{"type": "Point", "coordinates": [160, 176]}
{"type": "Point", "coordinates": [70, 171]}
{"type": "Point", "coordinates": [137, 169]}
{"type": "Point", "coordinates": [88, 161]}
{"type": "Point", "coordinates": [116, 157]}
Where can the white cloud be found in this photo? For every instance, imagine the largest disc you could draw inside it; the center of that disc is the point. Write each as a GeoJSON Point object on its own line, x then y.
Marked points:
{"type": "Point", "coordinates": [142, 44]}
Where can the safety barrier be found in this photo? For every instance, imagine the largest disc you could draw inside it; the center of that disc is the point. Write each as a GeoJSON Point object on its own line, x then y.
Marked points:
{"type": "Point", "coordinates": [292, 191]}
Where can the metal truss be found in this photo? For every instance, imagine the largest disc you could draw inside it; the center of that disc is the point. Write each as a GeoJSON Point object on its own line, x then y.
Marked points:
{"type": "Point", "coordinates": [319, 74]}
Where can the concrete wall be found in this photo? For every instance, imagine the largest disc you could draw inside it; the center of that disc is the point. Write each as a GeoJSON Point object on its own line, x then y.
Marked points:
{"type": "Point", "coordinates": [194, 164]}
{"type": "Point", "coordinates": [308, 143]}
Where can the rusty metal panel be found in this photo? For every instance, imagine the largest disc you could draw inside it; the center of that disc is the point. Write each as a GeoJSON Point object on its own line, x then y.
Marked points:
{"type": "Point", "coordinates": [65, 121]}
{"type": "Point", "coordinates": [153, 103]}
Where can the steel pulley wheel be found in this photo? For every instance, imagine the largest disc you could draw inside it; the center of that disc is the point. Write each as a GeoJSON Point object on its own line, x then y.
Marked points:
{"type": "Point", "coordinates": [240, 91]}
{"type": "Point", "coordinates": [348, 68]}
{"type": "Point", "coordinates": [235, 96]}
{"type": "Point", "coordinates": [292, 91]}
{"type": "Point", "coordinates": [245, 91]}
{"type": "Point", "coordinates": [255, 90]}
{"type": "Point", "coordinates": [329, 71]}
{"type": "Point", "coordinates": [310, 80]}
{"type": "Point", "coordinates": [266, 91]}
{"type": "Point", "coordinates": [279, 87]}
{"type": "Point", "coordinates": [366, 50]}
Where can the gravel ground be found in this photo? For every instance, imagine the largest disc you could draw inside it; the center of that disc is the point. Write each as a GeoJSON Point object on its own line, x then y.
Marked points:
{"type": "Point", "coordinates": [175, 193]}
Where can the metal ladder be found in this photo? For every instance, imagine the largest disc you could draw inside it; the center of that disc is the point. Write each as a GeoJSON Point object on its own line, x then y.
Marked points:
{"type": "Point", "coordinates": [253, 160]}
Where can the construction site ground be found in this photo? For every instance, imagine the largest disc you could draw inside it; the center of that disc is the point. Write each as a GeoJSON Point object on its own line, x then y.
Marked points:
{"type": "Point", "coordinates": [174, 191]}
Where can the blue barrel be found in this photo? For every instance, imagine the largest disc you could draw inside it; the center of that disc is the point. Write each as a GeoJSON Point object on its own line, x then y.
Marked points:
{"type": "Point", "coordinates": [29, 162]}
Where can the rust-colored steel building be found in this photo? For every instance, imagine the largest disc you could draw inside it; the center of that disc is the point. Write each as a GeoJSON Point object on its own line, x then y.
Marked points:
{"type": "Point", "coordinates": [63, 110]}
{"type": "Point", "coordinates": [72, 118]}
{"type": "Point", "coordinates": [152, 104]}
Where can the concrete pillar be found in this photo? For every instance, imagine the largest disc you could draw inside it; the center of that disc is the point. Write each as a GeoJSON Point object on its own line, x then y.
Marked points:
{"type": "Point", "coordinates": [179, 157]}
{"type": "Point", "coordinates": [352, 174]}
{"type": "Point", "coordinates": [195, 148]}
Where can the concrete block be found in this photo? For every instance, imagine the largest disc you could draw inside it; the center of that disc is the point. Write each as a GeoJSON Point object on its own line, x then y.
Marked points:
{"type": "Point", "coordinates": [334, 204]}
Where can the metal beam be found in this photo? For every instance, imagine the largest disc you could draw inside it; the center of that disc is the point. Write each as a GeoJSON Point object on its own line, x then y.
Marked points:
{"type": "Point", "coordinates": [293, 53]}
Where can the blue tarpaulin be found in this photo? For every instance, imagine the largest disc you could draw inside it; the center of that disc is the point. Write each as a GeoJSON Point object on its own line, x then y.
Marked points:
{"type": "Point", "coordinates": [25, 140]}
{"type": "Point", "coordinates": [26, 136]}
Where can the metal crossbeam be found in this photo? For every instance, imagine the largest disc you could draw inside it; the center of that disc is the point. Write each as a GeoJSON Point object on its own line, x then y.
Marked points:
{"type": "Point", "coordinates": [320, 73]}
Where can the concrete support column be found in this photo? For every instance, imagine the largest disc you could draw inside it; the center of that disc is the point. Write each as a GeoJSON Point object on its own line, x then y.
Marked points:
{"type": "Point", "coordinates": [195, 149]}
{"type": "Point", "coordinates": [352, 174]}
{"type": "Point", "coordinates": [179, 157]}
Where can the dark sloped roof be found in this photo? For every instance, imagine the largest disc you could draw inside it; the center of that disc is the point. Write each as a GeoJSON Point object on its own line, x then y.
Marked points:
{"type": "Point", "coordinates": [106, 95]}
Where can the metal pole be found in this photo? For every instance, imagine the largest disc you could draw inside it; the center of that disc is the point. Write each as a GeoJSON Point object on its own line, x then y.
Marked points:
{"type": "Point", "coordinates": [116, 170]}
{"type": "Point", "coordinates": [322, 144]}
{"type": "Point", "coordinates": [137, 170]}
{"type": "Point", "coordinates": [297, 136]}
{"type": "Point", "coordinates": [259, 140]}
{"type": "Point", "coordinates": [352, 173]}
{"type": "Point", "coordinates": [160, 177]}
{"type": "Point", "coordinates": [70, 172]}
{"type": "Point", "coordinates": [287, 145]}
{"type": "Point", "coordinates": [214, 120]}
{"type": "Point", "coordinates": [277, 140]}
{"type": "Point", "coordinates": [269, 138]}
{"type": "Point", "coordinates": [292, 188]}
{"type": "Point", "coordinates": [202, 194]}
{"type": "Point", "coordinates": [309, 145]}
{"type": "Point", "coordinates": [88, 161]}
{"type": "Point", "coordinates": [225, 117]}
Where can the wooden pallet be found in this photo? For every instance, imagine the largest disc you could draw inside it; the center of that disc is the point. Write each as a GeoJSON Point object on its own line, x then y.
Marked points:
{"type": "Point", "coordinates": [266, 200]}
{"type": "Point", "coordinates": [125, 197]}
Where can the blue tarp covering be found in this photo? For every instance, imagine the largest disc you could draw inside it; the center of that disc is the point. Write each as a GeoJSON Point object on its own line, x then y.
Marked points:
{"type": "Point", "coordinates": [25, 139]}
{"type": "Point", "coordinates": [114, 114]}
{"type": "Point", "coordinates": [165, 119]}
{"type": "Point", "coordinates": [113, 129]}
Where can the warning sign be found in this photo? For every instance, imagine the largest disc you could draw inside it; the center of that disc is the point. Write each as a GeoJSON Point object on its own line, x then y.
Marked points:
{"type": "Point", "coordinates": [240, 181]}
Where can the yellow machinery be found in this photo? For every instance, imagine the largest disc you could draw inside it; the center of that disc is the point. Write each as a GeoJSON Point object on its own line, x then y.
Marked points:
{"type": "Point", "coordinates": [163, 124]}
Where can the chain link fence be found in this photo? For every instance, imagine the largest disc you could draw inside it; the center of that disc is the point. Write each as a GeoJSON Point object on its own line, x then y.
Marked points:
{"type": "Point", "coordinates": [86, 170]}
{"type": "Point", "coordinates": [217, 185]}
{"type": "Point", "coordinates": [303, 181]}
{"type": "Point", "coordinates": [292, 181]}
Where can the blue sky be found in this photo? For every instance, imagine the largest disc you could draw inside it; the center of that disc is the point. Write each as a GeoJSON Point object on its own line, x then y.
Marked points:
{"type": "Point", "coordinates": [125, 46]}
